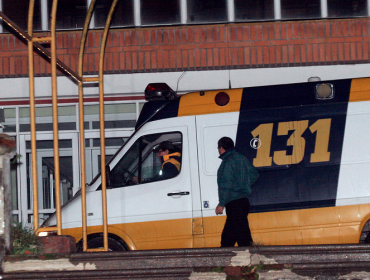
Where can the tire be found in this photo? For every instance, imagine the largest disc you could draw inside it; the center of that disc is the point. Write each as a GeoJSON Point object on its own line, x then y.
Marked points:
{"type": "Point", "coordinates": [367, 239]}
{"type": "Point", "coordinates": [113, 244]}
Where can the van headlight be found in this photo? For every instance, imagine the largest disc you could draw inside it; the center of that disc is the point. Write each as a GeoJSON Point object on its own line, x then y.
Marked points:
{"type": "Point", "coordinates": [47, 233]}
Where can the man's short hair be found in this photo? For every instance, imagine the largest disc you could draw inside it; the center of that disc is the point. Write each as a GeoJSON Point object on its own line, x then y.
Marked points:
{"type": "Point", "coordinates": [226, 143]}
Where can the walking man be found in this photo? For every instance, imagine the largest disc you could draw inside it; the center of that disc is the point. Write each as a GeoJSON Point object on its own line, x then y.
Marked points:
{"type": "Point", "coordinates": [234, 178]}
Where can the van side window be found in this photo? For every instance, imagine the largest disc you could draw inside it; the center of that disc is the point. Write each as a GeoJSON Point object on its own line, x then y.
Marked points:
{"type": "Point", "coordinates": [144, 164]}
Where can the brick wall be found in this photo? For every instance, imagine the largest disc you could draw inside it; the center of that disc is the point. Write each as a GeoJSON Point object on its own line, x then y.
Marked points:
{"type": "Point", "coordinates": [204, 47]}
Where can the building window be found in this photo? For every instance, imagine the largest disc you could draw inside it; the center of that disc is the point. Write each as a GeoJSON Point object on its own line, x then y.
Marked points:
{"type": "Point", "coordinates": [44, 118]}
{"type": "Point", "coordinates": [17, 10]}
{"type": "Point", "coordinates": [207, 11]}
{"type": "Point", "coordinates": [71, 14]}
{"type": "Point", "coordinates": [254, 10]}
{"type": "Point", "coordinates": [10, 120]}
{"type": "Point", "coordinates": [348, 8]}
{"type": "Point", "coordinates": [116, 116]}
{"type": "Point", "coordinates": [160, 12]}
{"type": "Point", "coordinates": [292, 9]}
{"type": "Point", "coordinates": [123, 14]}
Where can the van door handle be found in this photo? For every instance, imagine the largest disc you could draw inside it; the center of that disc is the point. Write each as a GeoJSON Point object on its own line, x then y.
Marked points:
{"type": "Point", "coordinates": [178, 193]}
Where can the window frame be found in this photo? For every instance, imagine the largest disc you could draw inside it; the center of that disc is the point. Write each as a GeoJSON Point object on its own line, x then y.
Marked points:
{"type": "Point", "coordinates": [138, 161]}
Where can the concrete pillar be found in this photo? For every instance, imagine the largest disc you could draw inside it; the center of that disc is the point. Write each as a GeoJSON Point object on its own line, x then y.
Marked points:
{"type": "Point", "coordinates": [7, 152]}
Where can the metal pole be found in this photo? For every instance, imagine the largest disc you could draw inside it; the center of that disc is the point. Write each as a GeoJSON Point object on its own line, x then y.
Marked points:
{"type": "Point", "coordinates": [33, 117]}
{"type": "Point", "coordinates": [102, 126]}
{"type": "Point", "coordinates": [55, 117]}
{"type": "Point", "coordinates": [82, 127]}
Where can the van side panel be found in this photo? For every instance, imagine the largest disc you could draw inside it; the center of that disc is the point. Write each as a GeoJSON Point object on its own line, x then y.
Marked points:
{"type": "Point", "coordinates": [354, 180]}
{"type": "Point", "coordinates": [300, 140]}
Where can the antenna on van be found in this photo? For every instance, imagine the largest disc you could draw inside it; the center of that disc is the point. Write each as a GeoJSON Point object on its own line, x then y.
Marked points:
{"type": "Point", "coordinates": [178, 81]}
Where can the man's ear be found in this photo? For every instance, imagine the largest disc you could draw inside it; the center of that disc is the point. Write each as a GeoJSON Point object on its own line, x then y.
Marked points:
{"type": "Point", "coordinates": [166, 152]}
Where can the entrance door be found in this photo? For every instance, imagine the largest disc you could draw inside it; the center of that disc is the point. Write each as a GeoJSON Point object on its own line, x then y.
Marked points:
{"type": "Point", "coordinates": [69, 173]}
{"type": "Point", "coordinates": [69, 167]}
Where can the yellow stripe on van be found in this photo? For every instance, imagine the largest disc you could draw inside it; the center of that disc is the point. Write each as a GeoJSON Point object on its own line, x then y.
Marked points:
{"type": "Point", "coordinates": [327, 225]}
{"type": "Point", "coordinates": [195, 104]}
{"type": "Point", "coordinates": [360, 90]}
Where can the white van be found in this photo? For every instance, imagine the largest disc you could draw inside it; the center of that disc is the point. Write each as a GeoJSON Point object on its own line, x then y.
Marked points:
{"type": "Point", "coordinates": [309, 141]}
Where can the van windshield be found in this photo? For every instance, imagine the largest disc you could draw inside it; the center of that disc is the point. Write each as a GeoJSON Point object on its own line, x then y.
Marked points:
{"type": "Point", "coordinates": [143, 164]}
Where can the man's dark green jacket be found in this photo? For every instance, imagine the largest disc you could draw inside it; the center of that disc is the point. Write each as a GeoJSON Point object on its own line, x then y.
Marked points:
{"type": "Point", "coordinates": [234, 177]}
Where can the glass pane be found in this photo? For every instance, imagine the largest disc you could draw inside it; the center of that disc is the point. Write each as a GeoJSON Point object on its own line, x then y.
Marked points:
{"type": "Point", "coordinates": [292, 9]}
{"type": "Point", "coordinates": [48, 183]}
{"type": "Point", "coordinates": [142, 163]}
{"type": "Point", "coordinates": [207, 11]}
{"type": "Point", "coordinates": [46, 178]}
{"type": "Point", "coordinates": [13, 180]}
{"type": "Point", "coordinates": [44, 118]}
{"type": "Point", "coordinates": [348, 8]}
{"type": "Point", "coordinates": [110, 142]}
{"type": "Point", "coordinates": [29, 187]}
{"type": "Point", "coordinates": [48, 126]}
{"type": "Point", "coordinates": [115, 124]}
{"type": "Point", "coordinates": [71, 14]}
{"type": "Point", "coordinates": [123, 15]}
{"type": "Point", "coordinates": [49, 144]}
{"type": "Point", "coordinates": [116, 115]}
{"type": "Point", "coordinates": [126, 169]}
{"type": "Point", "coordinates": [160, 11]}
{"type": "Point", "coordinates": [254, 10]}
{"type": "Point", "coordinates": [17, 10]}
{"type": "Point", "coordinates": [141, 105]}
{"type": "Point", "coordinates": [15, 218]}
{"type": "Point", "coordinates": [107, 159]}
{"type": "Point", "coordinates": [10, 120]}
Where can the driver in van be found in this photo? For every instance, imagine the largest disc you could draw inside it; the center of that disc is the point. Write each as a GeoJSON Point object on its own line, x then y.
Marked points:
{"type": "Point", "coordinates": [171, 160]}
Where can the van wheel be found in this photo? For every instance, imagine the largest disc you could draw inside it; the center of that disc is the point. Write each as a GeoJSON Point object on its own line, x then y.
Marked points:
{"type": "Point", "coordinates": [365, 234]}
{"type": "Point", "coordinates": [367, 239]}
{"type": "Point", "coordinates": [113, 244]}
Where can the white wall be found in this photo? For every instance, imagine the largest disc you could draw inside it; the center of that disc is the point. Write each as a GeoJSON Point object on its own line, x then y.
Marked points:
{"type": "Point", "coordinates": [17, 88]}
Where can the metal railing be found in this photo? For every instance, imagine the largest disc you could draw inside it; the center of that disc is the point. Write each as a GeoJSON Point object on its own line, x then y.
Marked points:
{"type": "Point", "coordinates": [35, 43]}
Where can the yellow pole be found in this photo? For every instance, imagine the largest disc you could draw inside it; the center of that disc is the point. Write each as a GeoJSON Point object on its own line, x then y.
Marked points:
{"type": "Point", "coordinates": [33, 117]}
{"type": "Point", "coordinates": [102, 126]}
{"type": "Point", "coordinates": [55, 117]}
{"type": "Point", "coordinates": [82, 129]}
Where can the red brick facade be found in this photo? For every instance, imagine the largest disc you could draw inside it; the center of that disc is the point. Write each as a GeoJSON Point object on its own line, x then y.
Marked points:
{"type": "Point", "coordinates": [204, 47]}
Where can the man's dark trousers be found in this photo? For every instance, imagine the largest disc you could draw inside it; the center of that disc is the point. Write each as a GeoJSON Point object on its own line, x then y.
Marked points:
{"type": "Point", "coordinates": [236, 228]}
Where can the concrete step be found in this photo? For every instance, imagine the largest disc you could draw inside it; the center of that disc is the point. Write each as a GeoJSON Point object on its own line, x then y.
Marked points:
{"type": "Point", "coordinates": [293, 262]}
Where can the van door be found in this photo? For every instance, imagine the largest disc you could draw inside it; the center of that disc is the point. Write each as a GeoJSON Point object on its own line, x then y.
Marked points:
{"type": "Point", "coordinates": [277, 184]}
{"type": "Point", "coordinates": [210, 128]}
{"type": "Point", "coordinates": [155, 212]}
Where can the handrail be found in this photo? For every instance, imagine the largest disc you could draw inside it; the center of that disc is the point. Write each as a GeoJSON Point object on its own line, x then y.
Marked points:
{"type": "Point", "coordinates": [35, 41]}
{"type": "Point", "coordinates": [102, 125]}
{"type": "Point", "coordinates": [52, 55]}
{"type": "Point", "coordinates": [58, 205]}
{"type": "Point", "coordinates": [32, 116]}
{"type": "Point", "coordinates": [81, 122]}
